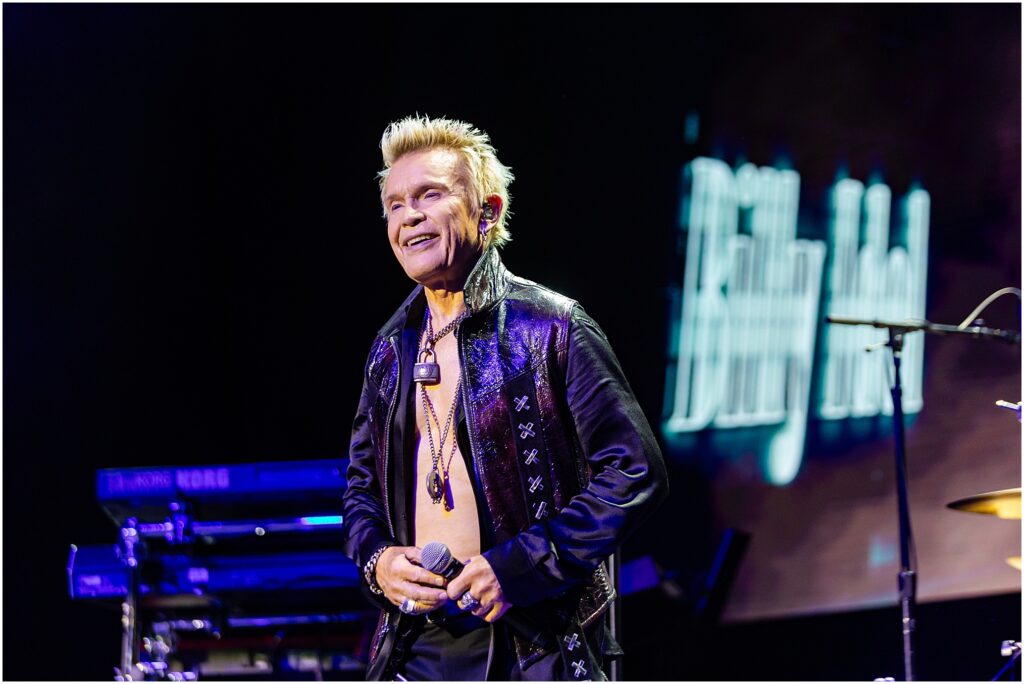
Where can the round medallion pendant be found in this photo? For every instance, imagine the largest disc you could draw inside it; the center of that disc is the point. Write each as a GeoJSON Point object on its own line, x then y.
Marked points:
{"type": "Point", "coordinates": [434, 488]}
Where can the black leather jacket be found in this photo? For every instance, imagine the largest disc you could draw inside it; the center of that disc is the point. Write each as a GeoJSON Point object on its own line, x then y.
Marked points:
{"type": "Point", "coordinates": [565, 463]}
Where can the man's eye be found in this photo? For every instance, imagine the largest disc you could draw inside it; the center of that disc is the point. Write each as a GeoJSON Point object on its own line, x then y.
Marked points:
{"type": "Point", "coordinates": [396, 207]}
{"type": "Point", "coordinates": [431, 194]}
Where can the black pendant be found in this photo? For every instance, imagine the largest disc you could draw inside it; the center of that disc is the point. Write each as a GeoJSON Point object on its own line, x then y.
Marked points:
{"type": "Point", "coordinates": [447, 491]}
{"type": "Point", "coordinates": [434, 487]}
{"type": "Point", "coordinates": [426, 372]}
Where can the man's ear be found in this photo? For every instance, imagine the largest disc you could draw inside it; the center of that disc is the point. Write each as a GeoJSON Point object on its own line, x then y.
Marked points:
{"type": "Point", "coordinates": [489, 212]}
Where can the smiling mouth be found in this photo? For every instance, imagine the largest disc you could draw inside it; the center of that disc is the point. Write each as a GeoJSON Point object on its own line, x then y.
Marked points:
{"type": "Point", "coordinates": [420, 239]}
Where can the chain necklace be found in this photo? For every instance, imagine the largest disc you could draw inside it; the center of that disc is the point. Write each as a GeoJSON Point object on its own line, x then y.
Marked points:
{"type": "Point", "coordinates": [428, 372]}
{"type": "Point", "coordinates": [432, 339]}
{"type": "Point", "coordinates": [424, 372]}
{"type": "Point", "coordinates": [437, 486]}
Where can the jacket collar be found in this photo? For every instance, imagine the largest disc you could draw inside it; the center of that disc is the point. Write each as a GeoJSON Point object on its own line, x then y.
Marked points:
{"type": "Point", "coordinates": [486, 285]}
{"type": "Point", "coordinates": [487, 282]}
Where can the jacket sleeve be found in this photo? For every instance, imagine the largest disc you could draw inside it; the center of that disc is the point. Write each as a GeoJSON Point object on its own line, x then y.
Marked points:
{"type": "Point", "coordinates": [628, 479]}
{"type": "Point", "coordinates": [364, 520]}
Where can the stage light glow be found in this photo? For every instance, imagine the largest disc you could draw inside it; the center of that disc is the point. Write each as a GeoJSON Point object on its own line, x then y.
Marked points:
{"type": "Point", "coordinates": [882, 553]}
{"type": "Point", "coordinates": [321, 520]}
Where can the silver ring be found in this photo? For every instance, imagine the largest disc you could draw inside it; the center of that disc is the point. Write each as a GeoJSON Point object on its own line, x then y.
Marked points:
{"type": "Point", "coordinates": [468, 602]}
{"type": "Point", "coordinates": [408, 606]}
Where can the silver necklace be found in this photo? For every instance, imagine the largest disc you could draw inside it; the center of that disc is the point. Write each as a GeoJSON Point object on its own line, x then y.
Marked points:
{"type": "Point", "coordinates": [428, 372]}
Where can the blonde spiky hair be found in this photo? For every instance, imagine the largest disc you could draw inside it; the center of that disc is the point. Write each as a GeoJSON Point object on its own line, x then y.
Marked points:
{"type": "Point", "coordinates": [484, 175]}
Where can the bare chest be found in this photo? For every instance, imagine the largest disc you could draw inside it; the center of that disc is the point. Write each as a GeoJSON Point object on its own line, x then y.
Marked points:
{"type": "Point", "coordinates": [443, 499]}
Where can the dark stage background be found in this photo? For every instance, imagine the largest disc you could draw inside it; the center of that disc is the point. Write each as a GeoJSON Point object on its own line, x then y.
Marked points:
{"type": "Point", "coordinates": [195, 265]}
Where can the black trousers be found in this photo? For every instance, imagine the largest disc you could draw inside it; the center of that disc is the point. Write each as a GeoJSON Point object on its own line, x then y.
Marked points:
{"type": "Point", "coordinates": [456, 650]}
{"type": "Point", "coordinates": [459, 649]}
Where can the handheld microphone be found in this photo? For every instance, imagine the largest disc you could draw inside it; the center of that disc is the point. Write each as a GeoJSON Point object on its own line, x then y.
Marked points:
{"type": "Point", "coordinates": [437, 558]}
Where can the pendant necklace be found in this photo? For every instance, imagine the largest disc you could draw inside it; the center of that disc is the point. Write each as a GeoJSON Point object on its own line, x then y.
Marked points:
{"type": "Point", "coordinates": [436, 485]}
{"type": "Point", "coordinates": [429, 373]}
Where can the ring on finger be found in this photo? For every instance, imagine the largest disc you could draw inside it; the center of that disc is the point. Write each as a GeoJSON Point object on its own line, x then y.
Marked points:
{"type": "Point", "coordinates": [468, 602]}
{"type": "Point", "coordinates": [408, 606]}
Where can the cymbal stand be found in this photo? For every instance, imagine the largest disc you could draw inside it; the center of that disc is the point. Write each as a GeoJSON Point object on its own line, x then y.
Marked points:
{"type": "Point", "coordinates": [1010, 649]}
{"type": "Point", "coordinates": [1011, 407]}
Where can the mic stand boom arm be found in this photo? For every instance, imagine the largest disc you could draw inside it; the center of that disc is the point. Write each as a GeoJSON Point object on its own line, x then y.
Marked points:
{"type": "Point", "coordinates": [913, 325]}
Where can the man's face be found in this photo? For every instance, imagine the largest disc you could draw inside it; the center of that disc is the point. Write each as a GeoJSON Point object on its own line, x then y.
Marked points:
{"type": "Point", "coordinates": [432, 229]}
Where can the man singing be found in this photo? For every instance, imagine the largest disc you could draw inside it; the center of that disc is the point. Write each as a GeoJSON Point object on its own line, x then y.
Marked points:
{"type": "Point", "coordinates": [494, 418]}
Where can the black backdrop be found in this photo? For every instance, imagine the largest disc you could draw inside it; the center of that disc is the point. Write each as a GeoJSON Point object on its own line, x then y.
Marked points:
{"type": "Point", "coordinates": [195, 261]}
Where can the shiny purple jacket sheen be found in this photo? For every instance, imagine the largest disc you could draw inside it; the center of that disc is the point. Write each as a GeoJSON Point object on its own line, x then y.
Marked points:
{"type": "Point", "coordinates": [606, 470]}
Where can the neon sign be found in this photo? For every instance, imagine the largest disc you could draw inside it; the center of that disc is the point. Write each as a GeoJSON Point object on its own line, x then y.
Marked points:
{"type": "Point", "coordinates": [745, 333]}
{"type": "Point", "coordinates": [870, 280]}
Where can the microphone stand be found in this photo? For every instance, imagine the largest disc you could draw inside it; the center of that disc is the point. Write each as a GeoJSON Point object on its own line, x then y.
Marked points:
{"type": "Point", "coordinates": [907, 575]}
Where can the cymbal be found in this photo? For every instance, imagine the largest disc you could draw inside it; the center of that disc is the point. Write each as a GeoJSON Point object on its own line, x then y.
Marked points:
{"type": "Point", "coordinates": [1014, 561]}
{"type": "Point", "coordinates": [1004, 504]}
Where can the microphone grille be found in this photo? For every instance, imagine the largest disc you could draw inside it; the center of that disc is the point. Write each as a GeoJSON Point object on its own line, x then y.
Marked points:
{"type": "Point", "coordinates": [435, 557]}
